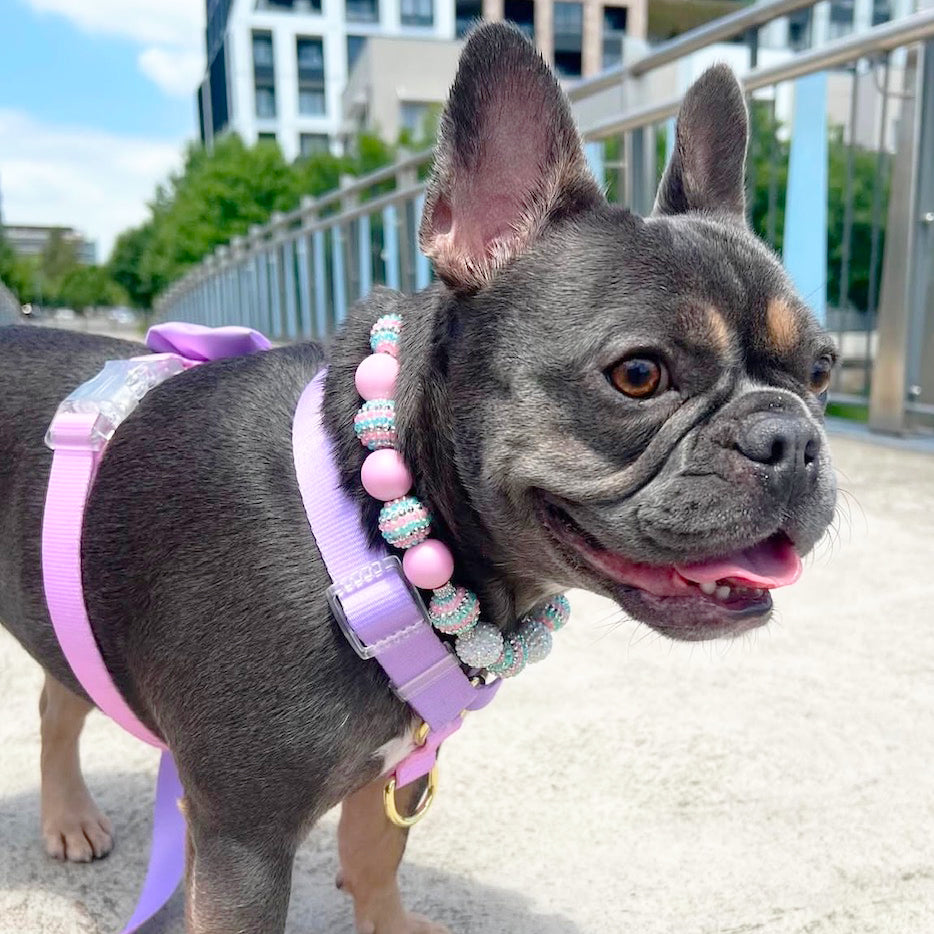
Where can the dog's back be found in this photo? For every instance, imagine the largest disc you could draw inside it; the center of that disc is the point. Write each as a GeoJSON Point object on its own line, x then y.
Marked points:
{"type": "Point", "coordinates": [38, 368]}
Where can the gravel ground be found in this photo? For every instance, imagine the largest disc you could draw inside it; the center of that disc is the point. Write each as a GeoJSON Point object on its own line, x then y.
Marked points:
{"type": "Point", "coordinates": [778, 783]}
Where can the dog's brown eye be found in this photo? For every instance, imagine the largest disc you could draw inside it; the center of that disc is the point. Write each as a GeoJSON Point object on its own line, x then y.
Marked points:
{"type": "Point", "coordinates": [639, 377]}
{"type": "Point", "coordinates": [820, 374]}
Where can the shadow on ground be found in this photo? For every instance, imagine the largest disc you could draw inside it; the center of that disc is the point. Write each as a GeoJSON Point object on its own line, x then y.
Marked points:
{"type": "Point", "coordinates": [98, 898]}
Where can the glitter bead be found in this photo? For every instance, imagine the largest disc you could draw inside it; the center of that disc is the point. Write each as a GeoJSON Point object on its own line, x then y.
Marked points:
{"type": "Point", "coordinates": [537, 639]}
{"type": "Point", "coordinates": [480, 647]}
{"type": "Point", "coordinates": [376, 376]}
{"type": "Point", "coordinates": [384, 335]}
{"type": "Point", "coordinates": [454, 610]}
{"type": "Point", "coordinates": [385, 476]}
{"type": "Point", "coordinates": [553, 614]}
{"type": "Point", "coordinates": [375, 424]}
{"type": "Point", "coordinates": [404, 522]}
{"type": "Point", "coordinates": [512, 658]}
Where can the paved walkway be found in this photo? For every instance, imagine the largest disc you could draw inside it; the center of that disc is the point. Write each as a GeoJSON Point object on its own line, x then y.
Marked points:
{"type": "Point", "coordinates": [781, 783]}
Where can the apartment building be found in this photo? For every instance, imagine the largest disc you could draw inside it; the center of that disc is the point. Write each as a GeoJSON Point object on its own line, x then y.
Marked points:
{"type": "Point", "coordinates": [277, 69]}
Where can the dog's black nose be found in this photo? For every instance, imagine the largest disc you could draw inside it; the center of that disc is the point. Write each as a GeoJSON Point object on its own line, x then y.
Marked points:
{"type": "Point", "coordinates": [787, 444]}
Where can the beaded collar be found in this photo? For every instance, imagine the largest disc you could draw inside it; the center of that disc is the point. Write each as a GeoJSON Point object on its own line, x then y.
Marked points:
{"type": "Point", "coordinates": [406, 524]}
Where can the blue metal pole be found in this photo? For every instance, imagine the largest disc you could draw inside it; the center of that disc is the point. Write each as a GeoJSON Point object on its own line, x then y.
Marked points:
{"type": "Point", "coordinates": [805, 241]}
{"type": "Point", "coordinates": [321, 290]}
{"type": "Point", "coordinates": [422, 263]}
{"type": "Point", "coordinates": [391, 246]}
{"type": "Point", "coordinates": [364, 255]}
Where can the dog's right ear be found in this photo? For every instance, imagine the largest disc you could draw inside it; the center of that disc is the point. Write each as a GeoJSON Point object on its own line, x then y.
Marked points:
{"type": "Point", "coordinates": [509, 160]}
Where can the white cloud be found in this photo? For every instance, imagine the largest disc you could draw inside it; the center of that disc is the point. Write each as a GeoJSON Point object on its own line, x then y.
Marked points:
{"type": "Point", "coordinates": [176, 71]}
{"type": "Point", "coordinates": [95, 181]}
{"type": "Point", "coordinates": [171, 31]}
{"type": "Point", "coordinates": [164, 22]}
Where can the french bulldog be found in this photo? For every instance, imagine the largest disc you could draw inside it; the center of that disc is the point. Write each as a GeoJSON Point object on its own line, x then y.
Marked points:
{"type": "Point", "coordinates": [587, 398]}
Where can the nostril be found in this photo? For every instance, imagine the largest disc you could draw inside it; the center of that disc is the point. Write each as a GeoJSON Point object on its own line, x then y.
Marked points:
{"type": "Point", "coordinates": [811, 450]}
{"type": "Point", "coordinates": [777, 453]}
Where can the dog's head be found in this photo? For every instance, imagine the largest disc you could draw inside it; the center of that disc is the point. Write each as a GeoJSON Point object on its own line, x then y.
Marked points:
{"type": "Point", "coordinates": [636, 402]}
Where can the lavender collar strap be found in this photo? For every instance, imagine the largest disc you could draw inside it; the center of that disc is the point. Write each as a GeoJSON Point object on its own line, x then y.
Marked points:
{"type": "Point", "coordinates": [382, 617]}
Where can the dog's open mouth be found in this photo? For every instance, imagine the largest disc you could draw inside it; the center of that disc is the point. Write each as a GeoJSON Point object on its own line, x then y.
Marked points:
{"type": "Point", "coordinates": [722, 595]}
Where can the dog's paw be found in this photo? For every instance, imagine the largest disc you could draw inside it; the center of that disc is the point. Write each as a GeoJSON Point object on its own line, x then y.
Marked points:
{"type": "Point", "coordinates": [79, 833]}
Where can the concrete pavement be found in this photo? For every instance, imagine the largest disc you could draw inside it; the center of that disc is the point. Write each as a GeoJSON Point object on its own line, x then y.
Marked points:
{"type": "Point", "coordinates": [780, 783]}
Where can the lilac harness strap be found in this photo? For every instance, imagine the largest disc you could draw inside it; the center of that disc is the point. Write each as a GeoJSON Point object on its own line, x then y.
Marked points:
{"type": "Point", "coordinates": [78, 435]}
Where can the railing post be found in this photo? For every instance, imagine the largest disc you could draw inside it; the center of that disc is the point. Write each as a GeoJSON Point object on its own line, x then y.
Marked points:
{"type": "Point", "coordinates": [275, 277]}
{"type": "Point", "coordinates": [921, 336]}
{"type": "Point", "coordinates": [304, 274]}
{"type": "Point", "coordinates": [338, 264]}
{"type": "Point", "coordinates": [236, 280]}
{"type": "Point", "coordinates": [900, 263]}
{"type": "Point", "coordinates": [405, 178]}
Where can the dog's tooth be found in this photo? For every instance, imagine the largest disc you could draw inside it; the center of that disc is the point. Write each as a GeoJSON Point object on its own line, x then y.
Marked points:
{"type": "Point", "coordinates": [723, 592]}
{"type": "Point", "coordinates": [708, 587]}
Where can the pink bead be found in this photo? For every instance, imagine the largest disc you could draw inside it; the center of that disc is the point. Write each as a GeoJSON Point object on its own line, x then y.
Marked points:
{"type": "Point", "coordinates": [428, 565]}
{"type": "Point", "coordinates": [385, 476]}
{"type": "Point", "coordinates": [376, 376]}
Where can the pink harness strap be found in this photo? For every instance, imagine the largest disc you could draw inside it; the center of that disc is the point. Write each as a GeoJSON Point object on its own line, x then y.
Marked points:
{"type": "Point", "coordinates": [78, 434]}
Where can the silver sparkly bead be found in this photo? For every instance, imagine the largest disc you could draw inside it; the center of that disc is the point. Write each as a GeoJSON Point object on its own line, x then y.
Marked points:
{"type": "Point", "coordinates": [537, 641]}
{"type": "Point", "coordinates": [479, 647]}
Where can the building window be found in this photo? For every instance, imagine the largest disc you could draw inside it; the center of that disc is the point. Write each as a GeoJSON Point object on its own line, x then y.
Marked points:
{"type": "Point", "coordinates": [413, 115]}
{"type": "Point", "coordinates": [310, 55]}
{"type": "Point", "coordinates": [268, 138]}
{"type": "Point", "coordinates": [522, 13]}
{"type": "Point", "coordinates": [799, 29]}
{"type": "Point", "coordinates": [614, 35]}
{"type": "Point", "coordinates": [417, 12]}
{"type": "Point", "coordinates": [467, 13]}
{"type": "Point", "coordinates": [841, 18]}
{"type": "Point", "coordinates": [313, 144]}
{"type": "Point", "coordinates": [355, 46]}
{"type": "Point", "coordinates": [264, 76]}
{"type": "Point", "coordinates": [362, 11]}
{"type": "Point", "coordinates": [881, 12]}
{"type": "Point", "coordinates": [569, 36]}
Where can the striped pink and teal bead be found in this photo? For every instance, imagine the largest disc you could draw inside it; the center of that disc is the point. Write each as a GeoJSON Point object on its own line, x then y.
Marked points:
{"type": "Point", "coordinates": [454, 610]}
{"type": "Point", "coordinates": [384, 335]}
{"type": "Point", "coordinates": [375, 424]}
{"type": "Point", "coordinates": [404, 522]}
{"type": "Point", "coordinates": [513, 657]}
{"type": "Point", "coordinates": [554, 614]}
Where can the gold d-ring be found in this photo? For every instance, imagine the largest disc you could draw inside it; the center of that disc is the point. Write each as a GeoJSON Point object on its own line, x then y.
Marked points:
{"type": "Point", "coordinates": [392, 812]}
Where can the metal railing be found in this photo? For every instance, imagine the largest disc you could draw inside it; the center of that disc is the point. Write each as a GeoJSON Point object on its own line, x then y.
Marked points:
{"type": "Point", "coordinates": [296, 276]}
{"type": "Point", "coordinates": [9, 306]}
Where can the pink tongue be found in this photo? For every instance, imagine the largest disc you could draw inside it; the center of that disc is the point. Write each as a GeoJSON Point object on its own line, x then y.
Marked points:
{"type": "Point", "coordinates": [772, 563]}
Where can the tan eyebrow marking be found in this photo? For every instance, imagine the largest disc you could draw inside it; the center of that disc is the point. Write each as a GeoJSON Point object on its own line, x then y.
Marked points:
{"type": "Point", "coordinates": [717, 329]}
{"type": "Point", "coordinates": [781, 321]}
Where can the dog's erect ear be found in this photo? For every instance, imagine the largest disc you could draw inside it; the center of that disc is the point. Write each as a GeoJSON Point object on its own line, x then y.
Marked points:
{"type": "Point", "coordinates": [707, 167]}
{"type": "Point", "coordinates": [509, 160]}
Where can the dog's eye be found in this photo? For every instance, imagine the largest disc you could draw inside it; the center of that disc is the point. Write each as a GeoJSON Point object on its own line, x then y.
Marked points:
{"type": "Point", "coordinates": [820, 374]}
{"type": "Point", "coordinates": [639, 377]}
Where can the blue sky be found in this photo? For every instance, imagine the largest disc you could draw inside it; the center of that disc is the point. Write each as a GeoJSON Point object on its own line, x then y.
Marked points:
{"type": "Point", "coordinates": [96, 104]}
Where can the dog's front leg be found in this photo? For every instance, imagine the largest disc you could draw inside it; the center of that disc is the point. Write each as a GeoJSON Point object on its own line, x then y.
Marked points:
{"type": "Point", "coordinates": [237, 882]}
{"type": "Point", "coordinates": [371, 849]}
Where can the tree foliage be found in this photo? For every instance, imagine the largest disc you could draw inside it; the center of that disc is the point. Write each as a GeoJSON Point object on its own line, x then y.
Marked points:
{"type": "Point", "coordinates": [219, 195]}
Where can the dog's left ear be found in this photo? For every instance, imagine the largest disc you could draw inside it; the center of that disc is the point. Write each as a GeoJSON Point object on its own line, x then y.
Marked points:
{"type": "Point", "coordinates": [707, 167]}
{"type": "Point", "coordinates": [509, 160]}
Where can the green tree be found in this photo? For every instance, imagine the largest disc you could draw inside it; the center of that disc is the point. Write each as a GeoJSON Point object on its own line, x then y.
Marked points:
{"type": "Point", "coordinates": [125, 264]}
{"type": "Point", "coordinates": [86, 287]}
{"type": "Point", "coordinates": [217, 196]}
